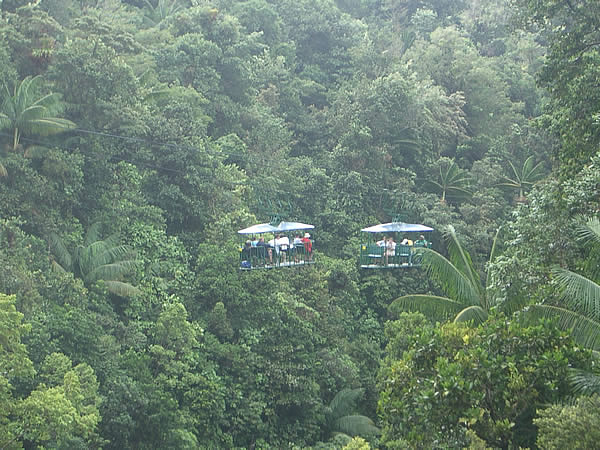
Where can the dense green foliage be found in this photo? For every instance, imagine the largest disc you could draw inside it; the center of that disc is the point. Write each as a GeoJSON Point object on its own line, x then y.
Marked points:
{"type": "Point", "coordinates": [138, 136]}
{"type": "Point", "coordinates": [569, 426]}
{"type": "Point", "coordinates": [438, 382]}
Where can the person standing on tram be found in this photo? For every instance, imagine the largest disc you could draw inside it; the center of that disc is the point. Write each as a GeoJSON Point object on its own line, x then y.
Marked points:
{"type": "Point", "coordinates": [390, 249]}
{"type": "Point", "coordinates": [282, 246]}
{"type": "Point", "coordinates": [307, 245]}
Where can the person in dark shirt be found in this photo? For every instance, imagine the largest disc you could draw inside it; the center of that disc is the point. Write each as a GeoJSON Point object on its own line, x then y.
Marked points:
{"type": "Point", "coordinates": [264, 250]}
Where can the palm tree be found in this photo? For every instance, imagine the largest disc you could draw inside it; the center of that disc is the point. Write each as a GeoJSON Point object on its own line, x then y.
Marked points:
{"type": "Point", "coordinates": [467, 297]}
{"type": "Point", "coordinates": [578, 308]}
{"type": "Point", "coordinates": [341, 418]}
{"type": "Point", "coordinates": [523, 178]}
{"type": "Point", "coordinates": [164, 9]}
{"type": "Point", "coordinates": [97, 260]}
{"type": "Point", "coordinates": [24, 111]}
{"type": "Point", "coordinates": [452, 184]}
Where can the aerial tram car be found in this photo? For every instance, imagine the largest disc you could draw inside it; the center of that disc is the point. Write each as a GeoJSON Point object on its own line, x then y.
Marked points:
{"type": "Point", "coordinates": [276, 244]}
{"type": "Point", "coordinates": [393, 245]}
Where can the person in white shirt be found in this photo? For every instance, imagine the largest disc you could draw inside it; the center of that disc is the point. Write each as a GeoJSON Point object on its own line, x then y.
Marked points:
{"type": "Point", "coordinates": [390, 249]}
{"type": "Point", "coordinates": [282, 244]}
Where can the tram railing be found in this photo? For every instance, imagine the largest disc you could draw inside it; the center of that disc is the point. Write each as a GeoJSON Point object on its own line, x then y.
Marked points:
{"type": "Point", "coordinates": [267, 257]}
{"type": "Point", "coordinates": [373, 256]}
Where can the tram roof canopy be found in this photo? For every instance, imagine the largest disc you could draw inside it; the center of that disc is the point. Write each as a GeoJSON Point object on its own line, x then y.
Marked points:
{"type": "Point", "coordinates": [396, 227]}
{"type": "Point", "coordinates": [269, 228]}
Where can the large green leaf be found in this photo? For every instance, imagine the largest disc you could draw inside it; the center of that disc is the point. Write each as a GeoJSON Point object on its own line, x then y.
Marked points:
{"type": "Point", "coordinates": [93, 234]}
{"type": "Point", "coordinates": [61, 253]}
{"type": "Point", "coordinates": [581, 293]}
{"type": "Point", "coordinates": [432, 306]}
{"type": "Point", "coordinates": [453, 281]}
{"type": "Point", "coordinates": [24, 111]}
{"type": "Point", "coordinates": [585, 331]}
{"type": "Point", "coordinates": [462, 260]}
{"type": "Point", "coordinates": [356, 425]}
{"type": "Point", "coordinates": [344, 402]}
{"type": "Point", "coordinates": [589, 232]}
{"type": "Point", "coordinates": [122, 289]}
{"type": "Point", "coordinates": [585, 382]}
{"type": "Point", "coordinates": [474, 314]}
{"type": "Point", "coordinates": [113, 271]}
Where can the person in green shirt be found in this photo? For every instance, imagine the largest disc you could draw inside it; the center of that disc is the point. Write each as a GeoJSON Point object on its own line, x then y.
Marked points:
{"type": "Point", "coordinates": [421, 242]}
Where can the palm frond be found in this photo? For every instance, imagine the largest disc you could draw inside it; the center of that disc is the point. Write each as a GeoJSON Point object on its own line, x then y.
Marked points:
{"type": "Point", "coordinates": [474, 314]}
{"type": "Point", "coordinates": [516, 181]}
{"type": "Point", "coordinates": [113, 240]}
{"type": "Point", "coordinates": [582, 294]}
{"type": "Point", "coordinates": [585, 382]}
{"type": "Point", "coordinates": [531, 172]}
{"type": "Point", "coordinates": [47, 101]}
{"type": "Point", "coordinates": [56, 267]}
{"type": "Point", "coordinates": [49, 125]}
{"type": "Point", "coordinates": [60, 251]}
{"type": "Point", "coordinates": [356, 425]}
{"type": "Point", "coordinates": [122, 289]}
{"type": "Point", "coordinates": [4, 120]}
{"type": "Point", "coordinates": [29, 114]}
{"type": "Point", "coordinates": [35, 151]}
{"type": "Point", "coordinates": [585, 332]}
{"type": "Point", "coordinates": [458, 192]}
{"type": "Point", "coordinates": [113, 271]}
{"type": "Point", "coordinates": [510, 183]}
{"type": "Point", "coordinates": [493, 251]}
{"type": "Point", "coordinates": [589, 232]}
{"type": "Point", "coordinates": [3, 171]}
{"type": "Point", "coordinates": [88, 257]}
{"type": "Point", "coordinates": [103, 254]}
{"type": "Point", "coordinates": [93, 234]}
{"type": "Point", "coordinates": [432, 185]}
{"type": "Point", "coordinates": [344, 402]}
{"type": "Point", "coordinates": [513, 304]}
{"type": "Point", "coordinates": [462, 259]}
{"type": "Point", "coordinates": [455, 284]}
{"type": "Point", "coordinates": [431, 306]}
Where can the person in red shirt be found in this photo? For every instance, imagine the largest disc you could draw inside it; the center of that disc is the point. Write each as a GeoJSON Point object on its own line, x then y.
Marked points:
{"type": "Point", "coordinates": [307, 245]}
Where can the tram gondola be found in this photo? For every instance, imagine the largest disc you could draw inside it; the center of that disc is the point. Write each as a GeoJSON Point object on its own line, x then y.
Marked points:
{"type": "Point", "coordinates": [393, 254]}
{"type": "Point", "coordinates": [287, 244]}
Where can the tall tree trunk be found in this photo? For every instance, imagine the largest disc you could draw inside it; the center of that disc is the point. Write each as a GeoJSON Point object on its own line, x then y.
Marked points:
{"type": "Point", "coordinates": [15, 139]}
